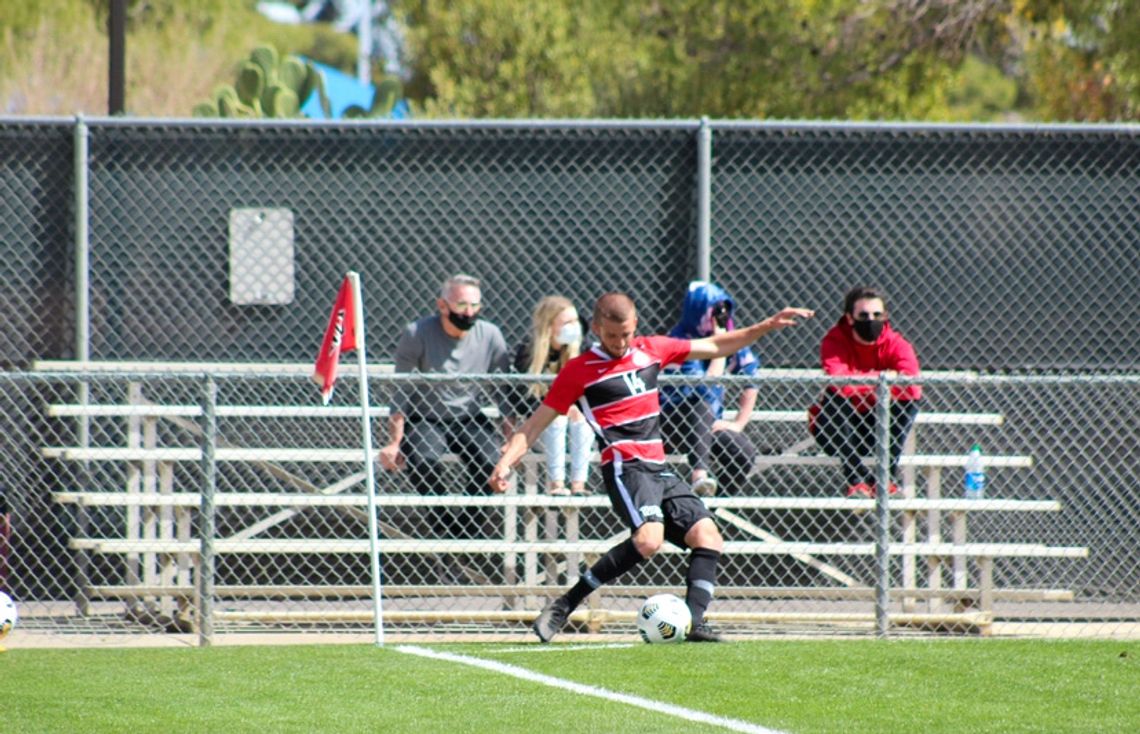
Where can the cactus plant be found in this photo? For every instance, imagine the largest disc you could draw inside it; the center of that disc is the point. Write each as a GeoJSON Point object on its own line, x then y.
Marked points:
{"type": "Point", "coordinates": [250, 85]}
{"type": "Point", "coordinates": [385, 97]}
{"type": "Point", "coordinates": [267, 59]}
{"type": "Point", "coordinates": [281, 102]}
{"type": "Point", "coordinates": [267, 86]}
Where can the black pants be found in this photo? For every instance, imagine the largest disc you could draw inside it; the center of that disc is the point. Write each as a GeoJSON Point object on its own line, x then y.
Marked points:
{"type": "Point", "coordinates": [842, 431]}
{"type": "Point", "coordinates": [476, 442]}
{"type": "Point", "coordinates": [686, 428]}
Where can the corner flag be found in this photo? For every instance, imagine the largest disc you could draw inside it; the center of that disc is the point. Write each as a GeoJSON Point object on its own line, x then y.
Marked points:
{"type": "Point", "coordinates": [345, 333]}
{"type": "Point", "coordinates": [340, 337]}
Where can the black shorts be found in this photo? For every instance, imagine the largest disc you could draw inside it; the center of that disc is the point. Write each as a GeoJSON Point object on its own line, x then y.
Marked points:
{"type": "Point", "coordinates": [642, 493]}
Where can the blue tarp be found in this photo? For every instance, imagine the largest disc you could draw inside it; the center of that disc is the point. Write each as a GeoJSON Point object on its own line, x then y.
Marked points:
{"type": "Point", "coordinates": [343, 91]}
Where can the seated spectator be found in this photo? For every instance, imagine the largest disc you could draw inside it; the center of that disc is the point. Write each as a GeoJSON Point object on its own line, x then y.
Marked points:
{"type": "Point", "coordinates": [692, 416]}
{"type": "Point", "coordinates": [428, 421]}
{"type": "Point", "coordinates": [863, 343]}
{"type": "Point", "coordinates": [555, 338]}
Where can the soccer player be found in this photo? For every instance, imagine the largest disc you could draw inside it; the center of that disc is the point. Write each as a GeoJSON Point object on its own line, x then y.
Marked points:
{"type": "Point", "coordinates": [615, 386]}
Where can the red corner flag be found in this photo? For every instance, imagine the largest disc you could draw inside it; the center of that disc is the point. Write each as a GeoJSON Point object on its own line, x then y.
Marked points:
{"type": "Point", "coordinates": [340, 337]}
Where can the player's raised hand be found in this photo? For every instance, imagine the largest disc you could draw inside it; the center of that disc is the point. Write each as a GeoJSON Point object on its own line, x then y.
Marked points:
{"type": "Point", "coordinates": [789, 316]}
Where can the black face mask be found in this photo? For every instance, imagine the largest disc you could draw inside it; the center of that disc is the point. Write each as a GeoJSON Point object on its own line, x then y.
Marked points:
{"type": "Point", "coordinates": [869, 329]}
{"type": "Point", "coordinates": [462, 321]}
{"type": "Point", "coordinates": [720, 314]}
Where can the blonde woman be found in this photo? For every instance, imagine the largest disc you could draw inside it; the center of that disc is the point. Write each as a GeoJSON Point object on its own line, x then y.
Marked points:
{"type": "Point", "coordinates": [555, 338]}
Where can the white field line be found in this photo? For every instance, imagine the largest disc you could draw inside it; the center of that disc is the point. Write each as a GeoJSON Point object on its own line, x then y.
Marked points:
{"type": "Point", "coordinates": [645, 703]}
{"type": "Point", "coordinates": [561, 648]}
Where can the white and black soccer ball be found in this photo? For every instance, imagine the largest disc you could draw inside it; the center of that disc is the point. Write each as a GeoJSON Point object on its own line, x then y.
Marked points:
{"type": "Point", "coordinates": [664, 618]}
{"type": "Point", "coordinates": [8, 615]}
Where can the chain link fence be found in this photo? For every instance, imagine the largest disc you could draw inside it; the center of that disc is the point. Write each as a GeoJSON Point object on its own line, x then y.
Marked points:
{"type": "Point", "coordinates": [986, 239]}
{"type": "Point", "coordinates": [1003, 250]}
{"type": "Point", "coordinates": [107, 516]}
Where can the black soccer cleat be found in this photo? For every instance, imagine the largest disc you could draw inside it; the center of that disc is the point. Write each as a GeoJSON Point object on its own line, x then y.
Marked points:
{"type": "Point", "coordinates": [703, 632]}
{"type": "Point", "coordinates": [552, 619]}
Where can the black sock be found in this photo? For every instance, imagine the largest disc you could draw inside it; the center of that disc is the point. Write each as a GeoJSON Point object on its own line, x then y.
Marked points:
{"type": "Point", "coordinates": [702, 581]}
{"type": "Point", "coordinates": [614, 563]}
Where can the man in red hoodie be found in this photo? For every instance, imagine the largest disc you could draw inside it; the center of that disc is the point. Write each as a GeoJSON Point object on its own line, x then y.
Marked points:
{"type": "Point", "coordinates": [864, 344]}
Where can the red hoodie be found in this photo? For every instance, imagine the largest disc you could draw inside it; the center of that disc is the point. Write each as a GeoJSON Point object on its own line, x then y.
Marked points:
{"type": "Point", "coordinates": [841, 355]}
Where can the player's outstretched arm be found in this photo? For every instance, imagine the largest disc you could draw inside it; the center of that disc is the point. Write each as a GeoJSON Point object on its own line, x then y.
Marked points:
{"type": "Point", "coordinates": [722, 345]}
{"type": "Point", "coordinates": [518, 444]}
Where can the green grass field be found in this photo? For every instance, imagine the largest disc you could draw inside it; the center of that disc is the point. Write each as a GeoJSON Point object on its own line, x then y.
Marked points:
{"type": "Point", "coordinates": [794, 686]}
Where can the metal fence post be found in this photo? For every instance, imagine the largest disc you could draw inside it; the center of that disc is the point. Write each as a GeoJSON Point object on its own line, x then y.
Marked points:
{"type": "Point", "coordinates": [82, 279]}
{"type": "Point", "coordinates": [206, 527]}
{"type": "Point", "coordinates": [704, 200]}
{"type": "Point", "coordinates": [82, 336]}
{"type": "Point", "coordinates": [82, 246]}
{"type": "Point", "coordinates": [882, 511]}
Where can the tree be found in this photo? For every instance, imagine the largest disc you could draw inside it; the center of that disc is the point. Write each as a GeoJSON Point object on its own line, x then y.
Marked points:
{"type": "Point", "coordinates": [1082, 59]}
{"type": "Point", "coordinates": [502, 58]}
{"type": "Point", "coordinates": [686, 58]}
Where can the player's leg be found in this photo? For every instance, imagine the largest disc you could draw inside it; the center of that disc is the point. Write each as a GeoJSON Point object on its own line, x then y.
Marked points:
{"type": "Point", "coordinates": [689, 524]}
{"type": "Point", "coordinates": [636, 496]}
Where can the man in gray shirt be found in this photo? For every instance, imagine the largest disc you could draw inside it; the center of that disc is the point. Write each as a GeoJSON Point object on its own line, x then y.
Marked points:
{"type": "Point", "coordinates": [428, 421]}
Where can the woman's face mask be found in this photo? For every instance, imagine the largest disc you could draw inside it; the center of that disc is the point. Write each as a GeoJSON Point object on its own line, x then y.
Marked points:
{"type": "Point", "coordinates": [570, 333]}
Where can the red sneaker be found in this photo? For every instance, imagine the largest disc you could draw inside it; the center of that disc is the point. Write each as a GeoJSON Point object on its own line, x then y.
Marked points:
{"type": "Point", "coordinates": [892, 490]}
{"type": "Point", "coordinates": [860, 491]}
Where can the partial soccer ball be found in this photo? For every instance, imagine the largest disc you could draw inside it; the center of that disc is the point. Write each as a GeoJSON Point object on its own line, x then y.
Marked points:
{"type": "Point", "coordinates": [8, 615]}
{"type": "Point", "coordinates": [664, 618]}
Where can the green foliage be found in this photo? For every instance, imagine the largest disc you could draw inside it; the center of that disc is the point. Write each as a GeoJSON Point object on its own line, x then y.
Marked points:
{"type": "Point", "coordinates": [980, 92]}
{"type": "Point", "coordinates": [281, 101]}
{"type": "Point", "coordinates": [812, 59]}
{"type": "Point", "coordinates": [387, 94]}
{"type": "Point", "coordinates": [317, 41]}
{"type": "Point", "coordinates": [267, 86]}
{"type": "Point", "coordinates": [200, 14]}
{"type": "Point", "coordinates": [686, 58]}
{"type": "Point", "coordinates": [749, 59]}
{"type": "Point", "coordinates": [1082, 60]}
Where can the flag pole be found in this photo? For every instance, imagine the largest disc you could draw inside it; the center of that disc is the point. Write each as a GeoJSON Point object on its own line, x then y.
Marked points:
{"type": "Point", "coordinates": [369, 470]}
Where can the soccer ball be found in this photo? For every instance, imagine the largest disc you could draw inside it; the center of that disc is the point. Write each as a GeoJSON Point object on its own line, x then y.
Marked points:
{"type": "Point", "coordinates": [664, 618]}
{"type": "Point", "coordinates": [8, 615]}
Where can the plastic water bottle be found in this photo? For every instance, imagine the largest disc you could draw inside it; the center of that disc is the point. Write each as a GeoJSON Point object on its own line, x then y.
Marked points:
{"type": "Point", "coordinates": [975, 474]}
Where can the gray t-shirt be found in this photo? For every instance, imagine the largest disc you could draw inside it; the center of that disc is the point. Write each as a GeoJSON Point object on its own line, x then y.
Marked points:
{"type": "Point", "coordinates": [426, 347]}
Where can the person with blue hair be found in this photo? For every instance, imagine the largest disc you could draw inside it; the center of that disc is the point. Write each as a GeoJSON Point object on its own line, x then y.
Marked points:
{"type": "Point", "coordinates": [692, 416]}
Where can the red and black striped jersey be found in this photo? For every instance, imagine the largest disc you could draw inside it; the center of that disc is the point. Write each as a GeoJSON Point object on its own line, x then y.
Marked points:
{"type": "Point", "coordinates": [619, 396]}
